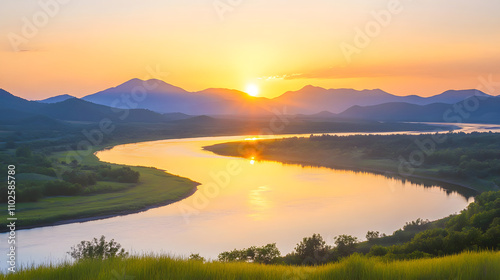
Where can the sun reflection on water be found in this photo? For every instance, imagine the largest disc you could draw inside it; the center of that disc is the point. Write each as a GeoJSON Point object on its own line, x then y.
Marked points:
{"type": "Point", "coordinates": [259, 202]}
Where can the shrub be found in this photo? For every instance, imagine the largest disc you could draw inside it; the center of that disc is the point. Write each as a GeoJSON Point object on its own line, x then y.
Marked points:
{"type": "Point", "coordinates": [97, 249]}
{"type": "Point", "coordinates": [61, 188]}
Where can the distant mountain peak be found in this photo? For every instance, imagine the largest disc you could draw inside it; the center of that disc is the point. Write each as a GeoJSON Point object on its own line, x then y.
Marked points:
{"type": "Point", "coordinates": [468, 92]}
{"type": "Point", "coordinates": [57, 98]}
{"type": "Point", "coordinates": [4, 92]}
{"type": "Point", "coordinates": [311, 87]}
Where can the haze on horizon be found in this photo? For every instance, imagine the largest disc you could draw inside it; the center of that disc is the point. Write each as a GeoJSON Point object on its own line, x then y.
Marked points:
{"type": "Point", "coordinates": [424, 48]}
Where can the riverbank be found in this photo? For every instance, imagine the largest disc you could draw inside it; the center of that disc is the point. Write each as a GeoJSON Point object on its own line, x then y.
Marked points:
{"type": "Point", "coordinates": [155, 188]}
{"type": "Point", "coordinates": [365, 154]}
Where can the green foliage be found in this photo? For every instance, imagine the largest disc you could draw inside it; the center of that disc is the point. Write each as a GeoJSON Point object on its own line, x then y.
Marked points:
{"type": "Point", "coordinates": [345, 244]}
{"type": "Point", "coordinates": [196, 257]}
{"type": "Point", "coordinates": [266, 254]}
{"type": "Point", "coordinates": [99, 249]}
{"type": "Point", "coordinates": [30, 194]}
{"type": "Point", "coordinates": [123, 174]}
{"type": "Point", "coordinates": [414, 225]}
{"type": "Point", "coordinates": [312, 250]}
{"type": "Point", "coordinates": [378, 251]}
{"type": "Point", "coordinates": [23, 151]}
{"type": "Point", "coordinates": [477, 227]}
{"type": "Point", "coordinates": [58, 187]}
{"type": "Point", "coordinates": [372, 235]}
{"type": "Point", "coordinates": [81, 178]}
{"type": "Point", "coordinates": [468, 265]}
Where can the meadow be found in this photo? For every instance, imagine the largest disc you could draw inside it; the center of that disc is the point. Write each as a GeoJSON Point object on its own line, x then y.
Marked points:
{"type": "Point", "coordinates": [467, 265]}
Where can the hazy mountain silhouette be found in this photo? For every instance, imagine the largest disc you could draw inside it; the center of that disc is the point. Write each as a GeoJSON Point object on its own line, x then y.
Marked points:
{"type": "Point", "coordinates": [9, 101]}
{"type": "Point", "coordinates": [311, 100]}
{"type": "Point", "coordinates": [55, 99]}
{"type": "Point", "coordinates": [487, 111]}
{"type": "Point", "coordinates": [161, 97]}
{"type": "Point", "coordinates": [16, 109]}
{"type": "Point", "coordinates": [157, 101]}
{"type": "Point", "coordinates": [75, 109]}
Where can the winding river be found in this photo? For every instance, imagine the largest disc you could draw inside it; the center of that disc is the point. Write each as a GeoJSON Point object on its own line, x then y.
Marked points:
{"type": "Point", "coordinates": [243, 202]}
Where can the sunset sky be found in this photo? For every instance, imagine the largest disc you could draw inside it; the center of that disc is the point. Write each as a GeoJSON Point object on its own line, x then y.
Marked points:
{"type": "Point", "coordinates": [81, 47]}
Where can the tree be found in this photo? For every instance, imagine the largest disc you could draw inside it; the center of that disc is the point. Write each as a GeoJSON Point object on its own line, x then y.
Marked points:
{"type": "Point", "coordinates": [266, 254]}
{"type": "Point", "coordinates": [371, 235]}
{"type": "Point", "coordinates": [345, 244]}
{"type": "Point", "coordinates": [377, 250]}
{"type": "Point", "coordinates": [234, 256]}
{"type": "Point", "coordinates": [312, 250]}
{"type": "Point", "coordinates": [196, 257]}
{"type": "Point", "coordinates": [97, 249]}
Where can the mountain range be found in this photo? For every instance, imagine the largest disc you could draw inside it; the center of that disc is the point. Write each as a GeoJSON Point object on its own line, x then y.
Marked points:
{"type": "Point", "coordinates": [470, 110]}
{"type": "Point", "coordinates": [161, 97]}
{"type": "Point", "coordinates": [157, 101]}
{"type": "Point", "coordinates": [311, 100]}
{"type": "Point", "coordinates": [14, 109]}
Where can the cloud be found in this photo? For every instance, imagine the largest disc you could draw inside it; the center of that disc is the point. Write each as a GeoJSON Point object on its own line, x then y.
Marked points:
{"type": "Point", "coordinates": [280, 77]}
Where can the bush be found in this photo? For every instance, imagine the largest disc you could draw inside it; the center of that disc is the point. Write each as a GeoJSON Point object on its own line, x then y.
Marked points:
{"type": "Point", "coordinates": [196, 257]}
{"type": "Point", "coordinates": [97, 249]}
{"type": "Point", "coordinates": [122, 174]}
{"type": "Point", "coordinates": [31, 194]}
{"type": "Point", "coordinates": [345, 244]}
{"type": "Point", "coordinates": [312, 250]}
{"type": "Point", "coordinates": [377, 250]}
{"type": "Point", "coordinates": [61, 188]}
{"type": "Point", "coordinates": [78, 177]}
{"type": "Point", "coordinates": [266, 254]}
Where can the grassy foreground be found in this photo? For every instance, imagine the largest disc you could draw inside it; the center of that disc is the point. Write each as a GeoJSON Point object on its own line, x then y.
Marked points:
{"type": "Point", "coordinates": [468, 265]}
{"type": "Point", "coordinates": [155, 187]}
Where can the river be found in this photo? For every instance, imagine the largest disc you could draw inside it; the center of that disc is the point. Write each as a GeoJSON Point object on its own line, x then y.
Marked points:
{"type": "Point", "coordinates": [243, 202]}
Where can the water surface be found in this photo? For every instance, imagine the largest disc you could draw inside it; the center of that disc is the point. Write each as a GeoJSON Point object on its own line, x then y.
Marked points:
{"type": "Point", "coordinates": [245, 202]}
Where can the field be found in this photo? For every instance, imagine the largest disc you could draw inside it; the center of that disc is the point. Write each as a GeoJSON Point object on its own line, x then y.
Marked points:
{"type": "Point", "coordinates": [468, 265]}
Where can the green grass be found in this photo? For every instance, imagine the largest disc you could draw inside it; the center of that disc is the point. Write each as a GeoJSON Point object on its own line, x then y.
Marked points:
{"type": "Point", "coordinates": [34, 177]}
{"type": "Point", "coordinates": [155, 187]}
{"type": "Point", "coordinates": [468, 265]}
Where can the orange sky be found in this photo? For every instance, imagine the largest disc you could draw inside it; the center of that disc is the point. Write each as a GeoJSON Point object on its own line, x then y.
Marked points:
{"type": "Point", "coordinates": [415, 47]}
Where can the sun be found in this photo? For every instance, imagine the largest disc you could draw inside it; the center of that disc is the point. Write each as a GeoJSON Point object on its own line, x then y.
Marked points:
{"type": "Point", "coordinates": [252, 90]}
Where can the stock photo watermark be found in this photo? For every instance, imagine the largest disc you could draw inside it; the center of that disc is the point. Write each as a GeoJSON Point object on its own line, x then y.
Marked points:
{"type": "Point", "coordinates": [363, 36]}
{"type": "Point", "coordinates": [457, 113]}
{"type": "Point", "coordinates": [225, 7]}
{"type": "Point", "coordinates": [32, 25]}
{"type": "Point", "coordinates": [12, 219]}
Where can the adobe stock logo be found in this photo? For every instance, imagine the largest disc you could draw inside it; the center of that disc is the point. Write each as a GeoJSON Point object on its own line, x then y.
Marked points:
{"type": "Point", "coordinates": [39, 19]}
